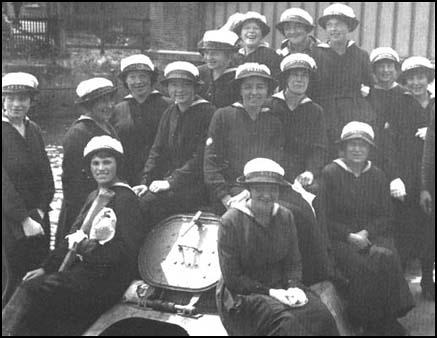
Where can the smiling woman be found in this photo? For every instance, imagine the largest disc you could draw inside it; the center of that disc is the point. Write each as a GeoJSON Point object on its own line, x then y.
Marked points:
{"type": "Point", "coordinates": [95, 98]}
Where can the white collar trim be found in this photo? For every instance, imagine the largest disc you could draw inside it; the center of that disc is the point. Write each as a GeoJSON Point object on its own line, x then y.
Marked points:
{"type": "Point", "coordinates": [281, 96]}
{"type": "Point", "coordinates": [240, 105]}
{"type": "Point", "coordinates": [326, 44]}
{"type": "Point", "coordinates": [394, 85]}
{"type": "Point", "coordinates": [242, 206]}
{"type": "Point", "coordinates": [340, 162]}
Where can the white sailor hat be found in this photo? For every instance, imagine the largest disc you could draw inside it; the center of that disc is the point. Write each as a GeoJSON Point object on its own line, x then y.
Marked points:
{"type": "Point", "coordinates": [19, 82]}
{"type": "Point", "coordinates": [261, 19]}
{"type": "Point", "coordinates": [181, 70]}
{"type": "Point", "coordinates": [341, 11]}
{"type": "Point", "coordinates": [295, 15]}
{"type": "Point", "coordinates": [219, 40]}
{"type": "Point", "coordinates": [384, 53]}
{"type": "Point", "coordinates": [94, 88]}
{"type": "Point", "coordinates": [415, 63]}
{"type": "Point", "coordinates": [252, 69]}
{"type": "Point", "coordinates": [103, 142]}
{"type": "Point", "coordinates": [136, 62]}
{"type": "Point", "coordinates": [298, 60]}
{"type": "Point", "coordinates": [262, 170]}
{"type": "Point", "coordinates": [355, 129]}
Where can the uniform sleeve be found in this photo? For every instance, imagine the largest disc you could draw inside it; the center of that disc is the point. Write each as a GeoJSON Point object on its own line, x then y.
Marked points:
{"type": "Point", "coordinates": [192, 169]}
{"type": "Point", "coordinates": [152, 162]}
{"type": "Point", "coordinates": [214, 163]}
{"type": "Point", "coordinates": [336, 230]}
{"type": "Point", "coordinates": [293, 262]}
{"type": "Point", "coordinates": [428, 159]}
{"type": "Point", "coordinates": [316, 158]}
{"type": "Point", "coordinates": [13, 205]}
{"type": "Point", "coordinates": [382, 216]}
{"type": "Point", "coordinates": [366, 69]}
{"type": "Point", "coordinates": [48, 186]}
{"type": "Point", "coordinates": [233, 275]}
{"type": "Point", "coordinates": [72, 164]}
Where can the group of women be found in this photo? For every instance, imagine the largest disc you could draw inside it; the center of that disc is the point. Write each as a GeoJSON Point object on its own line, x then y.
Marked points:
{"type": "Point", "coordinates": [282, 116]}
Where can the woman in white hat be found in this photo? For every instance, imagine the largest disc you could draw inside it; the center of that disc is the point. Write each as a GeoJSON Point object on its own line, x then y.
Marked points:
{"type": "Point", "coordinates": [252, 28]}
{"type": "Point", "coordinates": [94, 264]}
{"type": "Point", "coordinates": [416, 231]}
{"type": "Point", "coordinates": [95, 99]}
{"type": "Point", "coordinates": [136, 118]}
{"type": "Point", "coordinates": [355, 202]}
{"type": "Point", "coordinates": [261, 264]}
{"type": "Point", "coordinates": [305, 144]}
{"type": "Point", "coordinates": [246, 129]}
{"type": "Point", "coordinates": [342, 69]}
{"type": "Point", "coordinates": [295, 25]}
{"type": "Point", "coordinates": [27, 182]}
{"type": "Point", "coordinates": [218, 48]}
{"type": "Point", "coordinates": [249, 129]}
{"type": "Point", "coordinates": [172, 176]}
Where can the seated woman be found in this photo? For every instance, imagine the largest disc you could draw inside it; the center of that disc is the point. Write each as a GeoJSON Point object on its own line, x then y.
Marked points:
{"type": "Point", "coordinates": [218, 48]}
{"type": "Point", "coordinates": [73, 287]}
{"type": "Point", "coordinates": [250, 129]}
{"type": "Point", "coordinates": [306, 140]}
{"type": "Point", "coordinates": [355, 199]}
{"type": "Point", "coordinates": [261, 264]}
{"type": "Point", "coordinates": [96, 101]}
{"type": "Point", "coordinates": [172, 178]}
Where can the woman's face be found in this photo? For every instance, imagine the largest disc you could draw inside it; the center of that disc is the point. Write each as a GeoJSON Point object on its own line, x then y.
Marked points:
{"type": "Point", "coordinates": [295, 32]}
{"type": "Point", "coordinates": [263, 196]}
{"type": "Point", "coordinates": [16, 105]}
{"type": "Point", "coordinates": [181, 91]}
{"type": "Point", "coordinates": [216, 59]}
{"type": "Point", "coordinates": [103, 107]}
{"type": "Point", "coordinates": [337, 30]}
{"type": "Point", "coordinates": [104, 169]}
{"type": "Point", "coordinates": [298, 81]}
{"type": "Point", "coordinates": [385, 71]}
{"type": "Point", "coordinates": [139, 83]}
{"type": "Point", "coordinates": [254, 91]}
{"type": "Point", "coordinates": [356, 151]}
{"type": "Point", "coordinates": [417, 83]}
{"type": "Point", "coordinates": [251, 34]}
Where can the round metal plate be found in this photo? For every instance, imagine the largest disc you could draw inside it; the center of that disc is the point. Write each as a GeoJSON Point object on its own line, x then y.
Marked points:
{"type": "Point", "coordinates": [179, 257]}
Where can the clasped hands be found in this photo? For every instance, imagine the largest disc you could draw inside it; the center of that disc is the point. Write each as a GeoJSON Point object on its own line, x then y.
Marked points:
{"type": "Point", "coordinates": [290, 297]}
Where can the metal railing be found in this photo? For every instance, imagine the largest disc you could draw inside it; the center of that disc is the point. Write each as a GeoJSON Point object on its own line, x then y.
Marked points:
{"type": "Point", "coordinates": [30, 36]}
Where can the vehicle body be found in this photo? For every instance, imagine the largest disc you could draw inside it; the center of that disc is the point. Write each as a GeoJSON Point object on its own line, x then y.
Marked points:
{"type": "Point", "coordinates": [179, 265]}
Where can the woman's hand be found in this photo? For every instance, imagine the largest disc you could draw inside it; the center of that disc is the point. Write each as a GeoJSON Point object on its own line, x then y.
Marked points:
{"type": "Point", "coordinates": [306, 178]}
{"type": "Point", "coordinates": [358, 240]}
{"type": "Point", "coordinates": [397, 189]}
{"type": "Point", "coordinates": [159, 186]}
{"type": "Point", "coordinates": [421, 133]}
{"type": "Point", "coordinates": [32, 228]}
{"type": "Point", "coordinates": [296, 296]}
{"type": "Point", "coordinates": [280, 295]}
{"type": "Point", "coordinates": [426, 201]}
{"type": "Point", "coordinates": [140, 190]}
{"type": "Point", "coordinates": [33, 274]}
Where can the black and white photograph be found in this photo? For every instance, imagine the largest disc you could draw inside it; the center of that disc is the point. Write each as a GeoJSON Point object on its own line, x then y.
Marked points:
{"type": "Point", "coordinates": [218, 168]}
